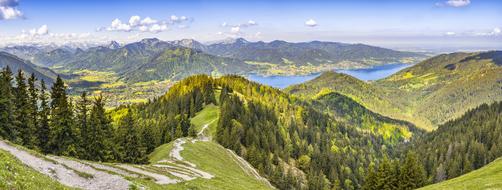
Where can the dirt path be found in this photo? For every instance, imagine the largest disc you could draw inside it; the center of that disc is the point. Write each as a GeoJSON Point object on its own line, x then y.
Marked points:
{"type": "Point", "coordinates": [160, 179]}
{"type": "Point", "coordinates": [67, 176]}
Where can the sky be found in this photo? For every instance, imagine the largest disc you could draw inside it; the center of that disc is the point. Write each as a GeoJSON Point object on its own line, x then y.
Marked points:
{"type": "Point", "coordinates": [402, 24]}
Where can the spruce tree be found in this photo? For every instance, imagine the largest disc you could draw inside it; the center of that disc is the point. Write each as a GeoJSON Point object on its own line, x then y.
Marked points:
{"type": "Point", "coordinates": [7, 126]}
{"type": "Point", "coordinates": [23, 121]}
{"type": "Point", "coordinates": [412, 175]}
{"type": "Point", "coordinates": [33, 109]}
{"type": "Point", "coordinates": [100, 132]}
{"type": "Point", "coordinates": [134, 152]}
{"type": "Point", "coordinates": [82, 112]}
{"type": "Point", "coordinates": [43, 124]}
{"type": "Point", "coordinates": [63, 133]}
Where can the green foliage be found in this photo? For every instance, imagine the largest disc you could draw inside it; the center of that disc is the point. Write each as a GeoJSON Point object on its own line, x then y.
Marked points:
{"type": "Point", "coordinates": [427, 94]}
{"type": "Point", "coordinates": [15, 175]}
{"type": "Point", "coordinates": [487, 177]}
{"type": "Point", "coordinates": [463, 144]}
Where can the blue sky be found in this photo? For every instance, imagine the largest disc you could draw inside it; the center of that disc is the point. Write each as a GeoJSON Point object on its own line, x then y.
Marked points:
{"type": "Point", "coordinates": [390, 23]}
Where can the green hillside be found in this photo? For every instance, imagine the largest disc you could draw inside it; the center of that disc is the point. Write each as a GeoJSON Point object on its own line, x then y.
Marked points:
{"type": "Point", "coordinates": [16, 175]}
{"type": "Point", "coordinates": [487, 177]}
{"type": "Point", "coordinates": [15, 64]}
{"type": "Point", "coordinates": [426, 94]}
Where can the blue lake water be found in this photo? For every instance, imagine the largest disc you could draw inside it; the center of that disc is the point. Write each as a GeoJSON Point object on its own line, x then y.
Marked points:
{"type": "Point", "coordinates": [373, 73]}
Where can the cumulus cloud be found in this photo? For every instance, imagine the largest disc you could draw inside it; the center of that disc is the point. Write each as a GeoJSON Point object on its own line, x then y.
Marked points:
{"type": "Point", "coordinates": [147, 24]}
{"type": "Point", "coordinates": [134, 20]}
{"type": "Point", "coordinates": [117, 25]}
{"type": "Point", "coordinates": [236, 30]}
{"type": "Point", "coordinates": [43, 30]}
{"type": "Point", "coordinates": [450, 33]}
{"type": "Point", "coordinates": [148, 21]}
{"type": "Point", "coordinates": [311, 23]}
{"type": "Point", "coordinates": [495, 32]}
{"type": "Point", "coordinates": [156, 28]}
{"type": "Point", "coordinates": [8, 10]}
{"type": "Point", "coordinates": [454, 3]}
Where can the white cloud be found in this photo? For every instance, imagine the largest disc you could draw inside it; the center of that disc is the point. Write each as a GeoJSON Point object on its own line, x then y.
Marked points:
{"type": "Point", "coordinates": [454, 3]}
{"type": "Point", "coordinates": [146, 24]}
{"type": "Point", "coordinates": [134, 20]}
{"type": "Point", "coordinates": [495, 32]}
{"type": "Point", "coordinates": [156, 28]}
{"type": "Point", "coordinates": [42, 30]}
{"type": "Point", "coordinates": [148, 21]}
{"type": "Point", "coordinates": [251, 23]}
{"type": "Point", "coordinates": [8, 10]}
{"type": "Point", "coordinates": [458, 3]}
{"type": "Point", "coordinates": [311, 23]}
{"type": "Point", "coordinates": [235, 29]}
{"type": "Point", "coordinates": [450, 33]}
{"type": "Point", "coordinates": [117, 25]}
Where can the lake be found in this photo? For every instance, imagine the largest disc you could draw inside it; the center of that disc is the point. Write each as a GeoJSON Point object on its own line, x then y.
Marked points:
{"type": "Point", "coordinates": [373, 73]}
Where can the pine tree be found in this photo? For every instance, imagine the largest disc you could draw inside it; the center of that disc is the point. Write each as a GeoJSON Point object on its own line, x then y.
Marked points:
{"type": "Point", "coordinates": [23, 122]}
{"type": "Point", "coordinates": [43, 124]}
{"type": "Point", "coordinates": [100, 132]}
{"type": "Point", "coordinates": [33, 109]}
{"type": "Point", "coordinates": [412, 175]}
{"type": "Point", "coordinates": [63, 134]}
{"type": "Point", "coordinates": [134, 152]}
{"type": "Point", "coordinates": [385, 175]}
{"type": "Point", "coordinates": [82, 111]}
{"type": "Point", "coordinates": [370, 181]}
{"type": "Point", "coordinates": [7, 126]}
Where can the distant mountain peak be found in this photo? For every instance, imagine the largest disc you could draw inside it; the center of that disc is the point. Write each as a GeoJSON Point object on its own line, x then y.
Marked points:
{"type": "Point", "coordinates": [113, 45]}
{"type": "Point", "coordinates": [150, 40]}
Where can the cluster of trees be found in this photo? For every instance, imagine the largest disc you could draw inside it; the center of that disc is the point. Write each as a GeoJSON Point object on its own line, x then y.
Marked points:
{"type": "Point", "coordinates": [407, 174]}
{"type": "Point", "coordinates": [345, 109]}
{"type": "Point", "coordinates": [277, 133]}
{"type": "Point", "coordinates": [462, 145]}
{"type": "Point", "coordinates": [51, 122]}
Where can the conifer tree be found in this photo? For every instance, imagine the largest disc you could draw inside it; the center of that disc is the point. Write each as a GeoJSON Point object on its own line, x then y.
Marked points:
{"type": "Point", "coordinates": [43, 124]}
{"type": "Point", "coordinates": [33, 109]}
{"type": "Point", "coordinates": [63, 135]}
{"type": "Point", "coordinates": [7, 126]}
{"type": "Point", "coordinates": [100, 132]}
{"type": "Point", "coordinates": [82, 111]}
{"type": "Point", "coordinates": [134, 152]}
{"type": "Point", "coordinates": [412, 175]}
{"type": "Point", "coordinates": [23, 122]}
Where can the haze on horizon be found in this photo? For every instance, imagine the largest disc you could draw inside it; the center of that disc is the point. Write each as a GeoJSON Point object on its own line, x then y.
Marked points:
{"type": "Point", "coordinates": [441, 25]}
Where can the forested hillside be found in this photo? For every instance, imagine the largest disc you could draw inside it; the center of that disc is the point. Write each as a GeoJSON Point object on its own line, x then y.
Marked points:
{"type": "Point", "coordinates": [15, 64]}
{"type": "Point", "coordinates": [462, 145]}
{"type": "Point", "coordinates": [426, 94]}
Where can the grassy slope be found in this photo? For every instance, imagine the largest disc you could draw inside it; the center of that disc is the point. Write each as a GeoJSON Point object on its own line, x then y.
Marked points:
{"type": "Point", "coordinates": [210, 157]}
{"type": "Point", "coordinates": [487, 177]}
{"type": "Point", "coordinates": [209, 115]}
{"type": "Point", "coordinates": [15, 175]}
{"type": "Point", "coordinates": [427, 94]}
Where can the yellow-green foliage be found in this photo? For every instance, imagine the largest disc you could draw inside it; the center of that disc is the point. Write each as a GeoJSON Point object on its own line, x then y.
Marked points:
{"type": "Point", "coordinates": [16, 175]}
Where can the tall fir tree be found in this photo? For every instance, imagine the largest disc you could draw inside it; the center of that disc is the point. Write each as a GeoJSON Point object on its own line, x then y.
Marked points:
{"type": "Point", "coordinates": [100, 132]}
{"type": "Point", "coordinates": [33, 109]}
{"type": "Point", "coordinates": [23, 120]}
{"type": "Point", "coordinates": [82, 114]}
{"type": "Point", "coordinates": [63, 139]}
{"type": "Point", "coordinates": [43, 130]}
{"type": "Point", "coordinates": [412, 175]}
{"type": "Point", "coordinates": [133, 150]}
{"type": "Point", "coordinates": [7, 107]}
